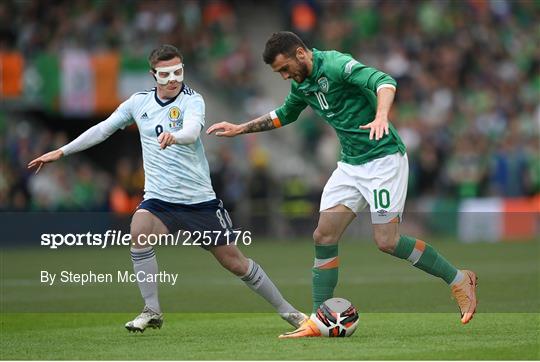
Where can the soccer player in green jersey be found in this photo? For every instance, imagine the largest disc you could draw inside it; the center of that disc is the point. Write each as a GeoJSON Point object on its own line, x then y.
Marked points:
{"type": "Point", "coordinates": [373, 169]}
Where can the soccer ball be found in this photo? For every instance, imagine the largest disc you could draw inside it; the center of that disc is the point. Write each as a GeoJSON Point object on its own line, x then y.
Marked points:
{"type": "Point", "coordinates": [336, 317]}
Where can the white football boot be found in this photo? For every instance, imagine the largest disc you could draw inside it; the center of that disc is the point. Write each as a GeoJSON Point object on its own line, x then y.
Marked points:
{"type": "Point", "coordinates": [147, 319]}
{"type": "Point", "coordinates": [295, 319]}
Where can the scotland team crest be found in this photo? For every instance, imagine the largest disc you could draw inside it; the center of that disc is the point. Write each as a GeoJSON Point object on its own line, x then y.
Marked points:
{"type": "Point", "coordinates": [176, 122]}
{"type": "Point", "coordinates": [323, 84]}
{"type": "Point", "coordinates": [174, 113]}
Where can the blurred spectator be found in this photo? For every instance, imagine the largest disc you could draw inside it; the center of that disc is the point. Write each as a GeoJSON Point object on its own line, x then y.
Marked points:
{"type": "Point", "coordinates": [532, 174]}
{"type": "Point", "coordinates": [84, 190]}
{"type": "Point", "coordinates": [466, 169]}
{"type": "Point", "coordinates": [303, 18]}
{"type": "Point", "coordinates": [261, 190]}
{"type": "Point", "coordinates": [126, 193]}
{"type": "Point", "coordinates": [508, 170]}
{"type": "Point", "coordinates": [227, 180]}
{"type": "Point", "coordinates": [298, 205]}
{"type": "Point", "coordinates": [427, 169]}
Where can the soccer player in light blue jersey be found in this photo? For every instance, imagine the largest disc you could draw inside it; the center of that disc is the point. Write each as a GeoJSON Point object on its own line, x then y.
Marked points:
{"type": "Point", "coordinates": [178, 194]}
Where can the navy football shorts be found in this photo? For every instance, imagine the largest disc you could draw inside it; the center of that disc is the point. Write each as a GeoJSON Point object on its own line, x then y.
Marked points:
{"type": "Point", "coordinates": [195, 219]}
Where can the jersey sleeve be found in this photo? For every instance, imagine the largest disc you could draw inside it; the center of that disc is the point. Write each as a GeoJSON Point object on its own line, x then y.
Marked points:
{"type": "Point", "coordinates": [193, 121]}
{"type": "Point", "coordinates": [289, 111]}
{"type": "Point", "coordinates": [355, 73]}
{"type": "Point", "coordinates": [195, 110]}
{"type": "Point", "coordinates": [101, 131]}
{"type": "Point", "coordinates": [123, 115]}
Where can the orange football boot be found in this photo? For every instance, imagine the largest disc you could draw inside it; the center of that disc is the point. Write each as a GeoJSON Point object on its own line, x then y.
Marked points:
{"type": "Point", "coordinates": [307, 329]}
{"type": "Point", "coordinates": [465, 294]}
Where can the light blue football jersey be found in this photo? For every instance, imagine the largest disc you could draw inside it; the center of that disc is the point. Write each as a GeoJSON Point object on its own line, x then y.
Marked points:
{"type": "Point", "coordinates": [179, 173]}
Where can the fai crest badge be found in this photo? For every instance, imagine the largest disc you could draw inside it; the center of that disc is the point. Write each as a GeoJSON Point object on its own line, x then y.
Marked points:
{"type": "Point", "coordinates": [323, 84]}
{"type": "Point", "coordinates": [174, 113]}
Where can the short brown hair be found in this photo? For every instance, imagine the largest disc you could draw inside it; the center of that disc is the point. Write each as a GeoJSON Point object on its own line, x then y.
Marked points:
{"type": "Point", "coordinates": [282, 42]}
{"type": "Point", "coordinates": [164, 52]}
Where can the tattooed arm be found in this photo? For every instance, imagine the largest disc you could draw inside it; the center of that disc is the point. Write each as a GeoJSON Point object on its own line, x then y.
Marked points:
{"type": "Point", "coordinates": [287, 113]}
{"type": "Point", "coordinates": [226, 129]}
{"type": "Point", "coordinates": [263, 123]}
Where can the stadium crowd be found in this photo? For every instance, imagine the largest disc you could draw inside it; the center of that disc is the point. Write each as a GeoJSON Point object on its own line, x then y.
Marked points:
{"type": "Point", "coordinates": [206, 31]}
{"type": "Point", "coordinates": [467, 107]}
{"type": "Point", "coordinates": [468, 77]}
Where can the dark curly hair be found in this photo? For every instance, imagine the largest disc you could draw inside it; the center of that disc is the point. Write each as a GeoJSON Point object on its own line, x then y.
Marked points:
{"type": "Point", "coordinates": [282, 42]}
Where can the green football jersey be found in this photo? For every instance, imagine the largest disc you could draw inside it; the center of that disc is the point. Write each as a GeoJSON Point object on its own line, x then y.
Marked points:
{"type": "Point", "coordinates": [344, 93]}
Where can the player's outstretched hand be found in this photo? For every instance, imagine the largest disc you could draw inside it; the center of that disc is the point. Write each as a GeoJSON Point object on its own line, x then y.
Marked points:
{"type": "Point", "coordinates": [165, 139]}
{"type": "Point", "coordinates": [378, 128]}
{"type": "Point", "coordinates": [225, 129]}
{"type": "Point", "coordinates": [46, 158]}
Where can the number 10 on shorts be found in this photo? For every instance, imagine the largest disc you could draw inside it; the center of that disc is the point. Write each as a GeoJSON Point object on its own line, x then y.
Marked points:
{"type": "Point", "coordinates": [381, 198]}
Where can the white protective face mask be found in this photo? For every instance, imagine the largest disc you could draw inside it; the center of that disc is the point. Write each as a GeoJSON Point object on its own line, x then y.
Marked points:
{"type": "Point", "coordinates": [170, 74]}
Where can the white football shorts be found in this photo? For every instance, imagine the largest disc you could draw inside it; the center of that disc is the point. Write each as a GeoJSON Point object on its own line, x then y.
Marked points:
{"type": "Point", "coordinates": [381, 183]}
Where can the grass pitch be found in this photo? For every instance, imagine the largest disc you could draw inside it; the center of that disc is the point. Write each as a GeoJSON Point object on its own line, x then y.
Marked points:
{"type": "Point", "coordinates": [404, 314]}
{"type": "Point", "coordinates": [196, 336]}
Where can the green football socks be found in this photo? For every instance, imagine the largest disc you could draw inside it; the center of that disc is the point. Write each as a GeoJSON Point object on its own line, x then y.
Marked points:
{"type": "Point", "coordinates": [425, 257]}
{"type": "Point", "coordinates": [419, 253]}
{"type": "Point", "coordinates": [324, 273]}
